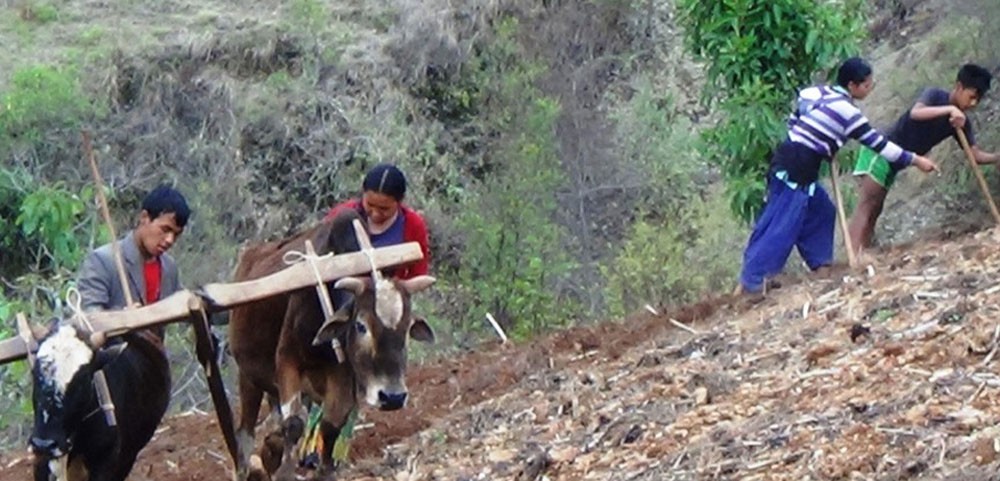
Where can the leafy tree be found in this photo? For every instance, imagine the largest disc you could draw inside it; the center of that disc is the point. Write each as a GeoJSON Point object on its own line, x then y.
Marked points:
{"type": "Point", "coordinates": [759, 52]}
{"type": "Point", "coordinates": [515, 254]}
{"type": "Point", "coordinates": [42, 226]}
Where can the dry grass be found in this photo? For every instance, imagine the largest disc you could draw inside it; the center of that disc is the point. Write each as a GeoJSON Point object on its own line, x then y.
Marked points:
{"type": "Point", "coordinates": [780, 391]}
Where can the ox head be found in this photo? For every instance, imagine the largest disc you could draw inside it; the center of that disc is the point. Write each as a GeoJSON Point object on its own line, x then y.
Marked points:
{"type": "Point", "coordinates": [63, 395]}
{"type": "Point", "coordinates": [377, 325]}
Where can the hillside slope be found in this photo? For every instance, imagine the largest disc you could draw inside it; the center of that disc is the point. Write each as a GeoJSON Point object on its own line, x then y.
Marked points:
{"type": "Point", "coordinates": [889, 373]}
{"type": "Point", "coordinates": [780, 391]}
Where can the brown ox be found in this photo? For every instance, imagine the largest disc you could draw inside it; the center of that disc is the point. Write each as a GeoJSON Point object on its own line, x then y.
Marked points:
{"type": "Point", "coordinates": [283, 348]}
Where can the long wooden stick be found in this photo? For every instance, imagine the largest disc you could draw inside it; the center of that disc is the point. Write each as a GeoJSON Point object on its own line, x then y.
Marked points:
{"type": "Point", "coordinates": [103, 201]}
{"type": "Point", "coordinates": [979, 174]}
{"type": "Point", "coordinates": [207, 354]}
{"type": "Point", "coordinates": [834, 172]}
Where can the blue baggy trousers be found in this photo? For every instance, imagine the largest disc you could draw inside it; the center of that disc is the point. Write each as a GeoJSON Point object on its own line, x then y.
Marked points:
{"type": "Point", "coordinates": [791, 218]}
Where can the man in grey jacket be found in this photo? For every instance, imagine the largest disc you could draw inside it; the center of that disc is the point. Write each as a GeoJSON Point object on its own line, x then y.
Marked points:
{"type": "Point", "coordinates": [152, 273]}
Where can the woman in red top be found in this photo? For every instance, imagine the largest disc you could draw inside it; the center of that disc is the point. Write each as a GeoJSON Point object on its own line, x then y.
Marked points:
{"type": "Point", "coordinates": [389, 221]}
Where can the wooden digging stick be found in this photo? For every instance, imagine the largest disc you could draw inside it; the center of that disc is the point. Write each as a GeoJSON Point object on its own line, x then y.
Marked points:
{"type": "Point", "coordinates": [834, 172]}
{"type": "Point", "coordinates": [103, 201]}
{"type": "Point", "coordinates": [100, 382]}
{"type": "Point", "coordinates": [979, 174]}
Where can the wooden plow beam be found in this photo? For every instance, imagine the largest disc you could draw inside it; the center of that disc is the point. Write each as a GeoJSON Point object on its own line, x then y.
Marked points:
{"type": "Point", "coordinates": [214, 297]}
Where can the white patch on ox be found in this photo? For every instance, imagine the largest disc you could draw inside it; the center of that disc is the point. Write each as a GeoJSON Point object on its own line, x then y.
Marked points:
{"type": "Point", "coordinates": [60, 356]}
{"type": "Point", "coordinates": [57, 467]}
{"type": "Point", "coordinates": [290, 408]}
{"type": "Point", "coordinates": [371, 393]}
{"type": "Point", "coordinates": [388, 303]}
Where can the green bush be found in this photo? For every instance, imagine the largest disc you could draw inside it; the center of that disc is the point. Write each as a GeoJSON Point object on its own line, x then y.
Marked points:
{"type": "Point", "coordinates": [40, 13]}
{"type": "Point", "coordinates": [681, 220]}
{"type": "Point", "coordinates": [514, 254]}
{"type": "Point", "coordinates": [653, 266]}
{"type": "Point", "coordinates": [42, 227]}
{"type": "Point", "coordinates": [40, 99]}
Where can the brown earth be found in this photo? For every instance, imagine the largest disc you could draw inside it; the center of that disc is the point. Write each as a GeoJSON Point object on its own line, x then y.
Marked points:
{"type": "Point", "coordinates": [576, 403]}
{"type": "Point", "coordinates": [189, 447]}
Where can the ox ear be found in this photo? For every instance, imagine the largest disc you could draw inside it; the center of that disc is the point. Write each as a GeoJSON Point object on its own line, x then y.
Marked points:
{"type": "Point", "coordinates": [357, 285]}
{"type": "Point", "coordinates": [417, 284]}
{"type": "Point", "coordinates": [108, 355]}
{"type": "Point", "coordinates": [328, 331]}
{"type": "Point", "coordinates": [420, 330]}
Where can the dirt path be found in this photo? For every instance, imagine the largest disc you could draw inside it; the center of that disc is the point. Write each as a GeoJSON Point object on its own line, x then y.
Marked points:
{"type": "Point", "coordinates": [189, 447]}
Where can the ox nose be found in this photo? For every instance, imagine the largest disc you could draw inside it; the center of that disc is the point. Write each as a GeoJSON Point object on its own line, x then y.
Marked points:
{"type": "Point", "coordinates": [391, 401]}
{"type": "Point", "coordinates": [44, 446]}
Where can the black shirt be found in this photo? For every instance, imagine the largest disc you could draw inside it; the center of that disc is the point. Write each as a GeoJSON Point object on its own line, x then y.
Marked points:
{"type": "Point", "coordinates": [920, 136]}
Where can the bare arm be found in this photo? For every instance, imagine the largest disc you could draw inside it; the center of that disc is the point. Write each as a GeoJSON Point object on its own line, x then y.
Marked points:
{"type": "Point", "coordinates": [921, 111]}
{"type": "Point", "coordinates": [983, 157]}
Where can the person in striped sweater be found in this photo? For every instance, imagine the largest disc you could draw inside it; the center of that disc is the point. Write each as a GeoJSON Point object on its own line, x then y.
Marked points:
{"type": "Point", "coordinates": [798, 213]}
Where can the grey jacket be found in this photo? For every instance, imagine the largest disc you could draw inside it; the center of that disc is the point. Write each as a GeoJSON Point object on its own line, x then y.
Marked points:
{"type": "Point", "coordinates": [98, 282]}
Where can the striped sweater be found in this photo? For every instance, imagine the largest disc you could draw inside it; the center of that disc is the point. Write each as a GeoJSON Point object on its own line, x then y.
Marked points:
{"type": "Point", "coordinates": [824, 119]}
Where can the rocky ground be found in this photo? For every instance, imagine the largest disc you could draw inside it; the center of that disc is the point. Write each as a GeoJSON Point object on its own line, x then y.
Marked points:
{"type": "Point", "coordinates": [887, 372]}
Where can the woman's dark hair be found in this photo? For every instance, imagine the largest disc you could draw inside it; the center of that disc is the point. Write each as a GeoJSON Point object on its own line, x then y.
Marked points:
{"type": "Point", "coordinates": [853, 70]}
{"type": "Point", "coordinates": [385, 179]}
{"type": "Point", "coordinates": [164, 200]}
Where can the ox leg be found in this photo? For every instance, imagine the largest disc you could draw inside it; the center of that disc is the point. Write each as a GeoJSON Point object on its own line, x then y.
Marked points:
{"type": "Point", "coordinates": [41, 469]}
{"type": "Point", "coordinates": [337, 406]}
{"type": "Point", "coordinates": [328, 464]}
{"type": "Point", "coordinates": [292, 425]}
{"type": "Point", "coordinates": [250, 399]}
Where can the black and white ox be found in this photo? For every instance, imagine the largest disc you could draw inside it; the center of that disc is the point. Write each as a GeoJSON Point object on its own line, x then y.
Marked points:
{"type": "Point", "coordinates": [72, 438]}
{"type": "Point", "coordinates": [283, 346]}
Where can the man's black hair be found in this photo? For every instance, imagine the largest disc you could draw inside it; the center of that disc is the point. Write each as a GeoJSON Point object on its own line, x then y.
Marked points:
{"type": "Point", "coordinates": [165, 200]}
{"type": "Point", "coordinates": [976, 77]}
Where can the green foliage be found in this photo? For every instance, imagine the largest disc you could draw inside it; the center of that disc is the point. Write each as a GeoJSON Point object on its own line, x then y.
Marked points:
{"type": "Point", "coordinates": [759, 52]}
{"type": "Point", "coordinates": [42, 227]}
{"type": "Point", "coordinates": [660, 145]}
{"type": "Point", "coordinates": [514, 253]}
{"type": "Point", "coordinates": [41, 98]}
{"type": "Point", "coordinates": [308, 14]}
{"type": "Point", "coordinates": [48, 214]}
{"type": "Point", "coordinates": [91, 36]}
{"type": "Point", "coordinates": [40, 13]}
{"type": "Point", "coordinates": [653, 265]}
{"type": "Point", "coordinates": [681, 220]}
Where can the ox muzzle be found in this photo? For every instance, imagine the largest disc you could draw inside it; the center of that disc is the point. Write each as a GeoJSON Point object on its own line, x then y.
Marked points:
{"type": "Point", "coordinates": [47, 447]}
{"type": "Point", "coordinates": [391, 401]}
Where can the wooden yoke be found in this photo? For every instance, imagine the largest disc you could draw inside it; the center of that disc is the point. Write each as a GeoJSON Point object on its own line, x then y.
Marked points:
{"type": "Point", "coordinates": [221, 296]}
{"type": "Point", "coordinates": [324, 298]}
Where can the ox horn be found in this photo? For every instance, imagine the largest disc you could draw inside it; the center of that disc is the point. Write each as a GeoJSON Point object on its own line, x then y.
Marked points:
{"type": "Point", "coordinates": [417, 284]}
{"type": "Point", "coordinates": [355, 284]}
{"type": "Point", "coordinates": [97, 339]}
{"type": "Point", "coordinates": [29, 336]}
